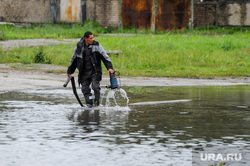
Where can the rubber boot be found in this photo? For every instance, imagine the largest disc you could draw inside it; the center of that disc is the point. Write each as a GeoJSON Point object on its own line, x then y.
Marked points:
{"type": "Point", "coordinates": [97, 99]}
{"type": "Point", "coordinates": [89, 100]}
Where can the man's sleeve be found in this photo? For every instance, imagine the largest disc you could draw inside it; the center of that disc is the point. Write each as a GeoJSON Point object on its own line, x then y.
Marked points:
{"type": "Point", "coordinates": [72, 63]}
{"type": "Point", "coordinates": [105, 58]}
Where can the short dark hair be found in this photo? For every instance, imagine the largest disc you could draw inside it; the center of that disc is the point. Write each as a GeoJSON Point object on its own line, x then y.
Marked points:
{"type": "Point", "coordinates": [87, 34]}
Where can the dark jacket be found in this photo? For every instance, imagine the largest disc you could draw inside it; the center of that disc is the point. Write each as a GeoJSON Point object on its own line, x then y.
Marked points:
{"type": "Point", "coordinates": [97, 54]}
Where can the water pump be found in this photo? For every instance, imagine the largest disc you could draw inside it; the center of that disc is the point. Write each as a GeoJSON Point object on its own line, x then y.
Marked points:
{"type": "Point", "coordinates": [113, 81]}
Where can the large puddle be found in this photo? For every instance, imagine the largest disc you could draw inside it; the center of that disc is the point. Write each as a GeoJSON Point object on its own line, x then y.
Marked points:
{"type": "Point", "coordinates": [164, 126]}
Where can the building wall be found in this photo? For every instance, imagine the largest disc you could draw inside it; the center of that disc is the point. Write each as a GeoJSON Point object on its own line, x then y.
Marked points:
{"type": "Point", "coordinates": [235, 14]}
{"type": "Point", "coordinates": [247, 20]}
{"type": "Point", "coordinates": [222, 13]}
{"type": "Point", "coordinates": [111, 12]}
{"type": "Point", "coordinates": [204, 14]}
{"type": "Point", "coordinates": [25, 10]}
{"type": "Point", "coordinates": [156, 14]}
{"type": "Point", "coordinates": [106, 12]}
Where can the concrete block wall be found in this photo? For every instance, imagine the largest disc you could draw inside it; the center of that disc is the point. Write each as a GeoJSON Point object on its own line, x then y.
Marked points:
{"type": "Point", "coordinates": [106, 12]}
{"type": "Point", "coordinates": [204, 14]}
{"type": "Point", "coordinates": [25, 11]}
{"type": "Point", "coordinates": [233, 14]}
{"type": "Point", "coordinates": [238, 14]}
{"type": "Point", "coordinates": [221, 13]}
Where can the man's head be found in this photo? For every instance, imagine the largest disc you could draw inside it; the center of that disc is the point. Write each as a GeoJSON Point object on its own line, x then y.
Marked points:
{"type": "Point", "coordinates": [89, 38]}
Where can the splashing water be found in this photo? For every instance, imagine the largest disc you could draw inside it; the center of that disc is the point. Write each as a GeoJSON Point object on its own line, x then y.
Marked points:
{"type": "Point", "coordinates": [115, 98]}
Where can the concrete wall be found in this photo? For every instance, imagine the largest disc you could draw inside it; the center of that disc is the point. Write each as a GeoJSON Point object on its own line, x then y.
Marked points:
{"type": "Point", "coordinates": [247, 20]}
{"type": "Point", "coordinates": [204, 14]}
{"type": "Point", "coordinates": [235, 14]}
{"type": "Point", "coordinates": [227, 13]}
{"type": "Point", "coordinates": [106, 12]}
{"type": "Point", "coordinates": [25, 10]}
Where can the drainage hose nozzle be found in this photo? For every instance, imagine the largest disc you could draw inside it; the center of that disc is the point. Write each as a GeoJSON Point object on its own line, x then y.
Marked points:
{"type": "Point", "coordinates": [112, 87]}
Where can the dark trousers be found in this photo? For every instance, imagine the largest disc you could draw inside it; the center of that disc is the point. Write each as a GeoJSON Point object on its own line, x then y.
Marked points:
{"type": "Point", "coordinates": [86, 81]}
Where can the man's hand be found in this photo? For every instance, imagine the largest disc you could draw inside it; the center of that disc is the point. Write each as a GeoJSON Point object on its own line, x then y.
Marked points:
{"type": "Point", "coordinates": [111, 71]}
{"type": "Point", "coordinates": [68, 75]}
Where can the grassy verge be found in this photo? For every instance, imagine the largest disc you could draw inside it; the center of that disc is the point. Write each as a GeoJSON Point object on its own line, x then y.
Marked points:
{"type": "Point", "coordinates": [56, 31]}
{"type": "Point", "coordinates": [62, 31]}
{"type": "Point", "coordinates": [196, 53]}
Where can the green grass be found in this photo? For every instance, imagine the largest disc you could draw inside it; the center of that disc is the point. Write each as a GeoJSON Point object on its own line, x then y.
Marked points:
{"type": "Point", "coordinates": [182, 56]}
{"type": "Point", "coordinates": [56, 31]}
{"type": "Point", "coordinates": [199, 53]}
{"type": "Point", "coordinates": [62, 31]}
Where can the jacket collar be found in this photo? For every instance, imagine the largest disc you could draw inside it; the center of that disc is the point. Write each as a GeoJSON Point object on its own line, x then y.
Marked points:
{"type": "Point", "coordinates": [80, 45]}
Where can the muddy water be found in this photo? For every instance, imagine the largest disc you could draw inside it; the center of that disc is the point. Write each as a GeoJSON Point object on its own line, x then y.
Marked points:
{"type": "Point", "coordinates": [48, 127]}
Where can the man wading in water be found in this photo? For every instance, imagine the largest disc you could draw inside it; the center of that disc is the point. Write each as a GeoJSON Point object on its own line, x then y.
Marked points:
{"type": "Point", "coordinates": [87, 57]}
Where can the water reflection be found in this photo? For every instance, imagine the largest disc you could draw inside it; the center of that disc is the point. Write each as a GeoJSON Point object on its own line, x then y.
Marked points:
{"type": "Point", "coordinates": [88, 117]}
{"type": "Point", "coordinates": [38, 124]}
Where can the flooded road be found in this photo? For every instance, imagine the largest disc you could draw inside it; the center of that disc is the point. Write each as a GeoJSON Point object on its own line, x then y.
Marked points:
{"type": "Point", "coordinates": [48, 127]}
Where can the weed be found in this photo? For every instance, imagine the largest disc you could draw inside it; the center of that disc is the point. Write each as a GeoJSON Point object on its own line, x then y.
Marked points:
{"type": "Point", "coordinates": [3, 35]}
{"type": "Point", "coordinates": [40, 56]}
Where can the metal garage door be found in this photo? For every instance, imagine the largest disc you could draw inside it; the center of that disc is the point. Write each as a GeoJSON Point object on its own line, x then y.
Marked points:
{"type": "Point", "coordinates": [156, 14]}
